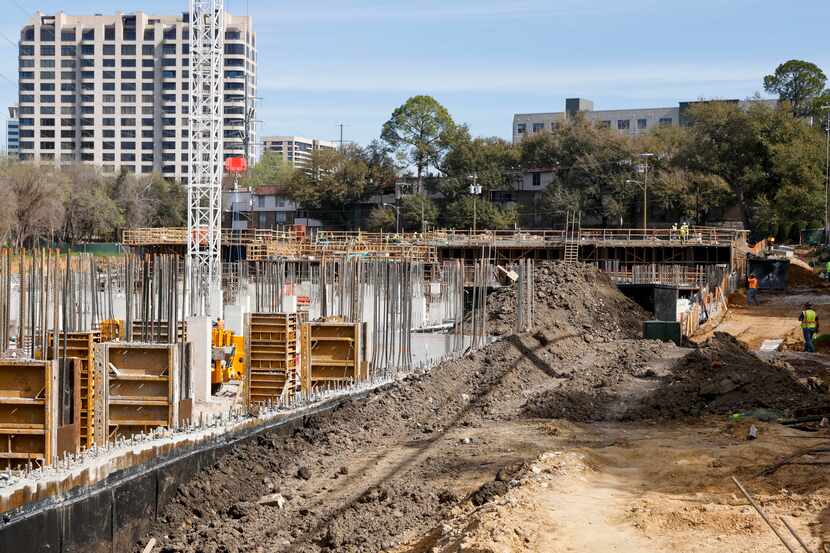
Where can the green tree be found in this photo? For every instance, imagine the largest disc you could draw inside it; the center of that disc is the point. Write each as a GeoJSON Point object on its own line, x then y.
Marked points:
{"type": "Point", "coordinates": [466, 210]}
{"type": "Point", "coordinates": [333, 184]}
{"type": "Point", "coordinates": [820, 109]}
{"type": "Point", "coordinates": [421, 130]}
{"type": "Point", "coordinates": [129, 193]}
{"type": "Point", "coordinates": [723, 141]}
{"type": "Point", "coordinates": [168, 201]}
{"type": "Point", "coordinates": [90, 211]}
{"type": "Point", "coordinates": [797, 82]}
{"type": "Point", "coordinates": [763, 153]}
{"type": "Point", "coordinates": [381, 219]}
{"type": "Point", "coordinates": [382, 170]}
{"type": "Point", "coordinates": [417, 212]}
{"type": "Point", "coordinates": [271, 170]}
{"type": "Point", "coordinates": [493, 161]}
{"type": "Point", "coordinates": [590, 166]}
{"type": "Point", "coordinates": [689, 195]}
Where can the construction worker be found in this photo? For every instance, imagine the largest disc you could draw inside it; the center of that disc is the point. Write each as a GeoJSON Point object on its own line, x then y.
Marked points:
{"type": "Point", "coordinates": [684, 232]}
{"type": "Point", "coordinates": [809, 326]}
{"type": "Point", "coordinates": [673, 231]}
{"type": "Point", "coordinates": [827, 270]}
{"type": "Point", "coordinates": [752, 290]}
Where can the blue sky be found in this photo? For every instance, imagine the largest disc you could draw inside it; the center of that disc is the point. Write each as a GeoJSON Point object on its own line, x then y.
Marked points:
{"type": "Point", "coordinates": [324, 62]}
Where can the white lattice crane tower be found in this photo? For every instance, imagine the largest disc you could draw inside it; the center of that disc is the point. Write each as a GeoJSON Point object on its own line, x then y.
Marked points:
{"type": "Point", "coordinates": [204, 189]}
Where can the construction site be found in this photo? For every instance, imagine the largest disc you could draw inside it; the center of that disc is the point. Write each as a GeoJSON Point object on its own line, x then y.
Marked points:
{"type": "Point", "coordinates": [445, 391]}
{"type": "Point", "coordinates": [279, 390]}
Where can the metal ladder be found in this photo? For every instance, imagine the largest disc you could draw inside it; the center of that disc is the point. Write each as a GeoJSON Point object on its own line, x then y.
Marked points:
{"type": "Point", "coordinates": [572, 226]}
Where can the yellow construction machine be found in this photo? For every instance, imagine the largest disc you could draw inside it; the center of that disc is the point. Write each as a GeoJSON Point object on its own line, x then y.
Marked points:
{"type": "Point", "coordinates": [111, 330]}
{"type": "Point", "coordinates": [228, 355]}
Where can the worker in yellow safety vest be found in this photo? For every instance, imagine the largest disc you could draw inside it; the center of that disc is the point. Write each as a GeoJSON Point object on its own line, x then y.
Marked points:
{"type": "Point", "coordinates": [809, 326]}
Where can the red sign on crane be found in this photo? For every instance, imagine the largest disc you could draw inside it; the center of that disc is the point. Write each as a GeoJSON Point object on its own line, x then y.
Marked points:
{"type": "Point", "coordinates": [236, 165]}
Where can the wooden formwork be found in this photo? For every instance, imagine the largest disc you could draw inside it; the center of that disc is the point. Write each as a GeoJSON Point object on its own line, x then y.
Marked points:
{"type": "Point", "coordinates": [80, 345]}
{"type": "Point", "coordinates": [138, 389]}
{"type": "Point", "coordinates": [331, 354]}
{"type": "Point", "coordinates": [28, 412]}
{"type": "Point", "coordinates": [272, 351]}
{"type": "Point", "coordinates": [157, 332]}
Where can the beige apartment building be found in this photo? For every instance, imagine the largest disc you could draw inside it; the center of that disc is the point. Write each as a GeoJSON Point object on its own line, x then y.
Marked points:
{"type": "Point", "coordinates": [625, 121]}
{"type": "Point", "coordinates": [296, 150]}
{"type": "Point", "coordinates": [112, 90]}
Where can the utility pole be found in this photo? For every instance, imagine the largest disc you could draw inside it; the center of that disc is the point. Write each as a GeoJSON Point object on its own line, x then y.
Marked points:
{"type": "Point", "coordinates": [644, 186]}
{"type": "Point", "coordinates": [827, 179]}
{"type": "Point", "coordinates": [341, 135]}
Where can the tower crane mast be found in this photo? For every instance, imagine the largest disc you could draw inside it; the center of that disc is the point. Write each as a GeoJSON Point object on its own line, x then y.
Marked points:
{"type": "Point", "coordinates": [204, 185]}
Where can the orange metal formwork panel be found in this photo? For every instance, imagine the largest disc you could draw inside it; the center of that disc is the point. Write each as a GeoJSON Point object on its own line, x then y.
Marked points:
{"type": "Point", "coordinates": [28, 413]}
{"type": "Point", "coordinates": [272, 350]}
{"type": "Point", "coordinates": [80, 345]}
{"type": "Point", "coordinates": [331, 354]}
{"type": "Point", "coordinates": [138, 389]}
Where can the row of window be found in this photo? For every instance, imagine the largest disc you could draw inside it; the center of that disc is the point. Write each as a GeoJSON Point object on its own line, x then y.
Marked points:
{"type": "Point", "coordinates": [126, 86]}
{"type": "Point", "coordinates": [47, 34]}
{"type": "Point", "coordinates": [125, 74]}
{"type": "Point", "coordinates": [622, 124]}
{"type": "Point", "coordinates": [106, 122]}
{"type": "Point", "coordinates": [110, 121]}
{"type": "Point", "coordinates": [105, 133]}
{"type": "Point", "coordinates": [110, 99]}
{"type": "Point", "coordinates": [126, 50]}
{"type": "Point", "coordinates": [105, 110]}
{"type": "Point", "coordinates": [169, 156]}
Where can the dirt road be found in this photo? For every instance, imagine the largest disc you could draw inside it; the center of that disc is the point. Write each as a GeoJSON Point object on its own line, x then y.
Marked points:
{"type": "Point", "coordinates": [662, 489]}
{"type": "Point", "coordinates": [775, 318]}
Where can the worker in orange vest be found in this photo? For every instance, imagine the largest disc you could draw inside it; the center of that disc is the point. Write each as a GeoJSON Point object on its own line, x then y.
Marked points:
{"type": "Point", "coordinates": [752, 290]}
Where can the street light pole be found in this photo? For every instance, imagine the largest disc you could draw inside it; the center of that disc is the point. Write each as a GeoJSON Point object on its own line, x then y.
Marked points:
{"type": "Point", "coordinates": [475, 190]}
{"type": "Point", "coordinates": [827, 179]}
{"type": "Point", "coordinates": [645, 156]}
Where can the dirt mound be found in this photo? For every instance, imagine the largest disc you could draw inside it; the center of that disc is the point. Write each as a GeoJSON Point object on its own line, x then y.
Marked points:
{"type": "Point", "coordinates": [801, 277]}
{"type": "Point", "coordinates": [724, 377]}
{"type": "Point", "coordinates": [721, 377]}
{"type": "Point", "coordinates": [603, 382]}
{"type": "Point", "coordinates": [579, 294]}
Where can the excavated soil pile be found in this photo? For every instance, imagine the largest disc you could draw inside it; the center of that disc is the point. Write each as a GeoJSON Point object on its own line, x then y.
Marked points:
{"type": "Point", "coordinates": [362, 476]}
{"type": "Point", "coordinates": [801, 277]}
{"type": "Point", "coordinates": [581, 295]}
{"type": "Point", "coordinates": [721, 377]}
{"type": "Point", "coordinates": [725, 377]}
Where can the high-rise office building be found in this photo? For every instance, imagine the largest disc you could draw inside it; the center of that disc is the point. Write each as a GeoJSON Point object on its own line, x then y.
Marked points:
{"type": "Point", "coordinates": [295, 150]}
{"type": "Point", "coordinates": [12, 132]}
{"type": "Point", "coordinates": [113, 90]}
